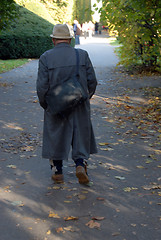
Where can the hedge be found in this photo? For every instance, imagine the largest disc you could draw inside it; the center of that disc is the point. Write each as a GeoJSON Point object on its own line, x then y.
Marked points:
{"type": "Point", "coordinates": [23, 46]}
{"type": "Point", "coordinates": [27, 37]}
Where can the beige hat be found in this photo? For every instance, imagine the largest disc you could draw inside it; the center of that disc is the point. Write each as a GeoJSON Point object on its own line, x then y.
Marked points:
{"type": "Point", "coordinates": [61, 31]}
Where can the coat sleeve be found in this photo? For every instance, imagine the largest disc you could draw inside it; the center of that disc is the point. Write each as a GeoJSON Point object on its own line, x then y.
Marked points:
{"type": "Point", "coordinates": [42, 85]}
{"type": "Point", "coordinates": [91, 77]}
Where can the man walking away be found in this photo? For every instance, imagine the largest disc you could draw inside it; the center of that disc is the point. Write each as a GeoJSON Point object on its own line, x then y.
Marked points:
{"type": "Point", "coordinates": [60, 133]}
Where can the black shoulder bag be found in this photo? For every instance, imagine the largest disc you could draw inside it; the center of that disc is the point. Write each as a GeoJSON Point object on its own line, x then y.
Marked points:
{"type": "Point", "coordinates": [65, 97]}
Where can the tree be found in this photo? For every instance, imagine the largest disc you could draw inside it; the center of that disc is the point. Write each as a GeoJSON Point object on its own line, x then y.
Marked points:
{"type": "Point", "coordinates": [60, 10]}
{"type": "Point", "coordinates": [138, 24]}
{"type": "Point", "coordinates": [82, 10]}
{"type": "Point", "coordinates": [8, 11]}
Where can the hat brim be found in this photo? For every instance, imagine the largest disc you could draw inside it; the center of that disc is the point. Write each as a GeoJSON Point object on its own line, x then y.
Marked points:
{"type": "Point", "coordinates": [58, 37]}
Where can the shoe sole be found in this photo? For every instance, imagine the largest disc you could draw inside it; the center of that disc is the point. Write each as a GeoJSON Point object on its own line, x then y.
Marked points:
{"type": "Point", "coordinates": [82, 177]}
{"type": "Point", "coordinates": [57, 180]}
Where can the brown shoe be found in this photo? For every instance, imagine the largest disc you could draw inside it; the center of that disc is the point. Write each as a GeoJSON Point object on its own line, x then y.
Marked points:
{"type": "Point", "coordinates": [58, 178]}
{"type": "Point", "coordinates": [81, 174]}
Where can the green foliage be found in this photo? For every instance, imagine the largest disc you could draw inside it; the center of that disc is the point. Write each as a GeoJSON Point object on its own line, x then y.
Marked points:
{"type": "Point", "coordinates": [58, 11]}
{"type": "Point", "coordinates": [23, 46]}
{"type": "Point", "coordinates": [138, 24]}
{"type": "Point", "coordinates": [8, 11]}
{"type": "Point", "coordinates": [82, 11]}
{"type": "Point", "coordinates": [29, 35]}
{"type": "Point", "coordinates": [61, 10]}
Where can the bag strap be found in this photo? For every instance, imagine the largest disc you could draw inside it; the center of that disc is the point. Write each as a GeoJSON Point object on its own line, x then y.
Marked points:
{"type": "Point", "coordinates": [77, 62]}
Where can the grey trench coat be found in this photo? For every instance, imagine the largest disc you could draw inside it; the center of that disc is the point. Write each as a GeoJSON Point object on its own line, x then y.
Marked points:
{"type": "Point", "coordinates": [59, 134]}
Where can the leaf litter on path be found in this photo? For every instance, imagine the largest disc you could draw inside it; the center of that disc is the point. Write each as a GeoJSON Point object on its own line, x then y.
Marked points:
{"type": "Point", "coordinates": [93, 224]}
{"type": "Point", "coordinates": [152, 187]}
{"type": "Point", "coordinates": [53, 215]}
{"type": "Point", "coordinates": [70, 218]}
{"type": "Point", "coordinates": [120, 177]}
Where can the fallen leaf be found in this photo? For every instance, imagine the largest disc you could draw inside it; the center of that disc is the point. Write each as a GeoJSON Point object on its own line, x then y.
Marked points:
{"type": "Point", "coordinates": [85, 192]}
{"type": "Point", "coordinates": [60, 229]}
{"type": "Point", "coordinates": [107, 149]}
{"type": "Point", "coordinates": [93, 224]}
{"type": "Point", "coordinates": [70, 218]}
{"type": "Point", "coordinates": [69, 197]}
{"type": "Point", "coordinates": [27, 148]}
{"type": "Point", "coordinates": [116, 234]}
{"type": "Point", "coordinates": [148, 161]}
{"type": "Point", "coordinates": [129, 189]}
{"type": "Point", "coordinates": [143, 225]}
{"type": "Point", "coordinates": [2, 159]}
{"type": "Point", "coordinates": [71, 229]}
{"type": "Point", "coordinates": [150, 187]}
{"type": "Point", "coordinates": [48, 232]}
{"type": "Point", "coordinates": [103, 144]}
{"type": "Point", "coordinates": [73, 189]}
{"type": "Point", "coordinates": [100, 199]}
{"type": "Point", "coordinates": [117, 210]}
{"type": "Point", "coordinates": [120, 177]}
{"type": "Point", "coordinates": [6, 187]}
{"type": "Point", "coordinates": [35, 101]}
{"type": "Point", "coordinates": [82, 197]}
{"type": "Point", "coordinates": [17, 203]}
{"type": "Point", "coordinates": [53, 215]}
{"type": "Point", "coordinates": [98, 218]}
{"type": "Point", "coordinates": [133, 224]}
{"type": "Point", "coordinates": [11, 166]}
{"type": "Point", "coordinates": [56, 188]}
{"type": "Point", "coordinates": [12, 126]}
{"type": "Point", "coordinates": [140, 167]}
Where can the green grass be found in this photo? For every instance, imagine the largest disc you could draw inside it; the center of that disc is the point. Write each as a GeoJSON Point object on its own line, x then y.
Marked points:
{"type": "Point", "coordinates": [114, 42]}
{"type": "Point", "coordinates": [7, 65]}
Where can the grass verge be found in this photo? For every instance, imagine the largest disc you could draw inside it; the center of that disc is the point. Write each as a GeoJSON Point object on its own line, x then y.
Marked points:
{"type": "Point", "coordinates": [113, 41]}
{"type": "Point", "coordinates": [7, 65]}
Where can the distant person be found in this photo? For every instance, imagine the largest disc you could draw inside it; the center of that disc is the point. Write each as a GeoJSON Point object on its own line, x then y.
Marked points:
{"type": "Point", "coordinates": [100, 28]}
{"type": "Point", "coordinates": [96, 28]}
{"type": "Point", "coordinates": [90, 29]}
{"type": "Point", "coordinates": [75, 27]}
{"type": "Point", "coordinates": [78, 33]}
{"type": "Point", "coordinates": [85, 29]}
{"type": "Point", "coordinates": [60, 133]}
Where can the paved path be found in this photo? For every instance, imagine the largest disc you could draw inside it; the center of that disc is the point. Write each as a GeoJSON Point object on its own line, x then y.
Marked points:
{"type": "Point", "coordinates": [100, 51]}
{"type": "Point", "coordinates": [123, 200]}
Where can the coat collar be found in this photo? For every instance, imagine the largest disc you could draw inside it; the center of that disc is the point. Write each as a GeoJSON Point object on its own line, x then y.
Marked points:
{"type": "Point", "coordinates": [63, 44]}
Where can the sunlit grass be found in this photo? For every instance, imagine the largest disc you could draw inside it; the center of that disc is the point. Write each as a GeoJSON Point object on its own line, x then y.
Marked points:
{"type": "Point", "coordinates": [7, 65]}
{"type": "Point", "coordinates": [113, 41]}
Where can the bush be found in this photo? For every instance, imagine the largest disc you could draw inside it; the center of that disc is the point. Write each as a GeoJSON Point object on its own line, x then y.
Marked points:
{"type": "Point", "coordinates": [27, 37]}
{"type": "Point", "coordinates": [138, 24]}
{"type": "Point", "coordinates": [23, 46]}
